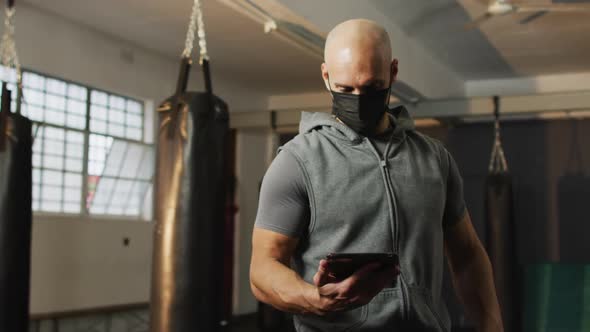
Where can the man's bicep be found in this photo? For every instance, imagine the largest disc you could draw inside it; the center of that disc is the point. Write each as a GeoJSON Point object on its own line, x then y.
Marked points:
{"type": "Point", "coordinates": [455, 207]}
{"type": "Point", "coordinates": [460, 240]}
{"type": "Point", "coordinates": [283, 204]}
{"type": "Point", "coordinates": [269, 244]}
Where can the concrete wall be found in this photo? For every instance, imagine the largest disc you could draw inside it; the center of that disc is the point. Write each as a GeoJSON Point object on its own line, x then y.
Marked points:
{"type": "Point", "coordinates": [252, 156]}
{"type": "Point", "coordinates": [78, 264]}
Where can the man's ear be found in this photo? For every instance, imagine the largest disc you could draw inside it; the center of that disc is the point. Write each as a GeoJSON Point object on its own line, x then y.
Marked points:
{"type": "Point", "coordinates": [325, 76]}
{"type": "Point", "coordinates": [394, 70]}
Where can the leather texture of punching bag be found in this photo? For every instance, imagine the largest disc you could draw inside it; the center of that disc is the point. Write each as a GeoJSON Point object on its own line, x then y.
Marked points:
{"type": "Point", "coordinates": [15, 224]}
{"type": "Point", "coordinates": [191, 189]}
{"type": "Point", "coordinates": [500, 233]}
{"type": "Point", "coordinates": [573, 190]}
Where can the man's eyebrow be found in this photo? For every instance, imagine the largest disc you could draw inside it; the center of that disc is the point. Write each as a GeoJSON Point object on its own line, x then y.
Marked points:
{"type": "Point", "coordinates": [367, 84]}
{"type": "Point", "coordinates": [374, 82]}
{"type": "Point", "coordinates": [342, 85]}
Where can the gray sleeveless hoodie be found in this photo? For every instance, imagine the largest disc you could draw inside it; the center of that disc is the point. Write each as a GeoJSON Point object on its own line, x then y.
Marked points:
{"type": "Point", "coordinates": [361, 202]}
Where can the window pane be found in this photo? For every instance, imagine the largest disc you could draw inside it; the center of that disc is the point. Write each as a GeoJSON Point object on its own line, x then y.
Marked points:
{"type": "Point", "coordinates": [75, 151]}
{"type": "Point", "coordinates": [56, 87]}
{"type": "Point", "coordinates": [134, 120]}
{"type": "Point", "coordinates": [72, 207]}
{"type": "Point", "coordinates": [133, 107]}
{"type": "Point", "coordinates": [55, 102]}
{"type": "Point", "coordinates": [98, 126]}
{"type": "Point", "coordinates": [37, 160]}
{"type": "Point", "coordinates": [53, 133]}
{"type": "Point", "coordinates": [98, 98]}
{"type": "Point", "coordinates": [51, 193]}
{"type": "Point", "coordinates": [33, 80]}
{"type": "Point", "coordinates": [76, 121]}
{"type": "Point", "coordinates": [51, 206]}
{"type": "Point", "coordinates": [36, 192]}
{"type": "Point", "coordinates": [117, 102]}
{"type": "Point", "coordinates": [98, 112]}
{"type": "Point", "coordinates": [33, 97]}
{"type": "Point", "coordinates": [146, 170]}
{"type": "Point", "coordinates": [53, 162]}
{"type": "Point", "coordinates": [134, 133]}
{"type": "Point", "coordinates": [117, 130]}
{"type": "Point", "coordinates": [36, 176]}
{"type": "Point", "coordinates": [77, 92]}
{"type": "Point", "coordinates": [72, 195]}
{"type": "Point", "coordinates": [74, 165]}
{"type": "Point", "coordinates": [117, 117]}
{"type": "Point", "coordinates": [7, 74]}
{"type": "Point", "coordinates": [52, 177]}
{"type": "Point", "coordinates": [76, 107]}
{"type": "Point", "coordinates": [73, 180]}
{"type": "Point", "coordinates": [34, 113]}
{"type": "Point", "coordinates": [133, 157]}
{"type": "Point", "coordinates": [54, 147]}
{"type": "Point", "coordinates": [75, 137]}
{"type": "Point", "coordinates": [55, 117]}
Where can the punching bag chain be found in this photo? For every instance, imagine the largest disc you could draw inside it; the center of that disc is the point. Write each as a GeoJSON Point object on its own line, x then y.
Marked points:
{"type": "Point", "coordinates": [498, 160]}
{"type": "Point", "coordinates": [196, 25]}
{"type": "Point", "coordinates": [8, 54]}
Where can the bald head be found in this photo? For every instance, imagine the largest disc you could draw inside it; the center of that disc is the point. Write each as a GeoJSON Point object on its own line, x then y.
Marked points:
{"type": "Point", "coordinates": [358, 54]}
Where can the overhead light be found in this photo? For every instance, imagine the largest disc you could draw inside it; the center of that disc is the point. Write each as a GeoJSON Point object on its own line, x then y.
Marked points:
{"type": "Point", "coordinates": [292, 33]}
{"type": "Point", "coordinates": [306, 40]}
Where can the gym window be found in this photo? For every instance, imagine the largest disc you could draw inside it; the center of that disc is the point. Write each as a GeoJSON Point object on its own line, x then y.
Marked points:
{"type": "Point", "coordinates": [89, 152]}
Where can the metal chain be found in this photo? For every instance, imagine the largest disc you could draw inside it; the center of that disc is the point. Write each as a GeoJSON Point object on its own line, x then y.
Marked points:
{"type": "Point", "coordinates": [498, 160]}
{"type": "Point", "coordinates": [196, 24]}
{"type": "Point", "coordinates": [8, 55]}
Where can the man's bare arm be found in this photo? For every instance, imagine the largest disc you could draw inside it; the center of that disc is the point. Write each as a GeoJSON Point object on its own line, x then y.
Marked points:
{"type": "Point", "coordinates": [271, 279]}
{"type": "Point", "coordinates": [472, 275]}
{"type": "Point", "coordinates": [274, 282]}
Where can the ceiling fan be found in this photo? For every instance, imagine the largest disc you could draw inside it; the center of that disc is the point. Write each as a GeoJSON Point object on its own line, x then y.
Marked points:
{"type": "Point", "coordinates": [505, 7]}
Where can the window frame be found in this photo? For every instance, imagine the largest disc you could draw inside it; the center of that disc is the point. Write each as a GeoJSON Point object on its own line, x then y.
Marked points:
{"type": "Point", "coordinates": [84, 213]}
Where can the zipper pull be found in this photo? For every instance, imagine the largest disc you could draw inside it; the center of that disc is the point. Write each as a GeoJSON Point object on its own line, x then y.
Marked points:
{"type": "Point", "coordinates": [384, 163]}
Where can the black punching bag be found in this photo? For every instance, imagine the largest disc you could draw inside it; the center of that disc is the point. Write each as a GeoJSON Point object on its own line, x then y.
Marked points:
{"type": "Point", "coordinates": [500, 232]}
{"type": "Point", "coordinates": [187, 265]}
{"type": "Point", "coordinates": [15, 217]}
{"type": "Point", "coordinates": [573, 189]}
{"type": "Point", "coordinates": [190, 185]}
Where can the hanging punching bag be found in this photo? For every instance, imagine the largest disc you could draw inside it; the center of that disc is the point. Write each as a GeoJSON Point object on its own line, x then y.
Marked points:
{"type": "Point", "coordinates": [190, 204]}
{"type": "Point", "coordinates": [15, 217]}
{"type": "Point", "coordinates": [500, 231]}
{"type": "Point", "coordinates": [573, 189]}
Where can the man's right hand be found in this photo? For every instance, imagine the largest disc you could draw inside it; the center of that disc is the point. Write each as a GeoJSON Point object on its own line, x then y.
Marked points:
{"type": "Point", "coordinates": [331, 295]}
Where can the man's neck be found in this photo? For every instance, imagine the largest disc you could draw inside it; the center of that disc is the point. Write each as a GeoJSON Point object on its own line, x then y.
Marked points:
{"type": "Point", "coordinates": [384, 124]}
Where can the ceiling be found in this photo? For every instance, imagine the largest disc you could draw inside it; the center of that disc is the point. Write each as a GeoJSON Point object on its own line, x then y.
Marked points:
{"type": "Point", "coordinates": [238, 47]}
{"type": "Point", "coordinates": [502, 47]}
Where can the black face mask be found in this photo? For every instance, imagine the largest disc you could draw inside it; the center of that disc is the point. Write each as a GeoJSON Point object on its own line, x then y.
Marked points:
{"type": "Point", "coordinates": [363, 112]}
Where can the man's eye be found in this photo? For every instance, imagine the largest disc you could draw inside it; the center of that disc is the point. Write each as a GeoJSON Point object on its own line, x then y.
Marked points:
{"type": "Point", "coordinates": [345, 90]}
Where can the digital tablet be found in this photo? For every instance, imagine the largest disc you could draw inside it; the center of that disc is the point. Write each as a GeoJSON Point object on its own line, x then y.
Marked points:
{"type": "Point", "coordinates": [343, 265]}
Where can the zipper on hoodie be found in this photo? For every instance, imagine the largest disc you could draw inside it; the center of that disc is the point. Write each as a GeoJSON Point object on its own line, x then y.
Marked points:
{"type": "Point", "coordinates": [383, 165]}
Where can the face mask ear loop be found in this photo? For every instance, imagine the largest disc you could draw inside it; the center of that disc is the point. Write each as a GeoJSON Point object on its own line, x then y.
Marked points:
{"type": "Point", "coordinates": [330, 87]}
{"type": "Point", "coordinates": [389, 91]}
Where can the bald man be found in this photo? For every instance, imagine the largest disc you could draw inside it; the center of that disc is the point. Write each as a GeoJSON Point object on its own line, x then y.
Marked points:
{"type": "Point", "coordinates": [363, 180]}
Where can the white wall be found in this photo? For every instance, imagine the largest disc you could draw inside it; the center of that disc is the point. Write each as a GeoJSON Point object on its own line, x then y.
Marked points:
{"type": "Point", "coordinates": [82, 263]}
{"type": "Point", "coordinates": [79, 264]}
{"type": "Point", "coordinates": [418, 68]}
{"type": "Point", "coordinates": [545, 84]}
{"type": "Point", "coordinates": [252, 156]}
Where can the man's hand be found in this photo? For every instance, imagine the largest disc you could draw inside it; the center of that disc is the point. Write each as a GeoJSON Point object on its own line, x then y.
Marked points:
{"type": "Point", "coordinates": [352, 292]}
